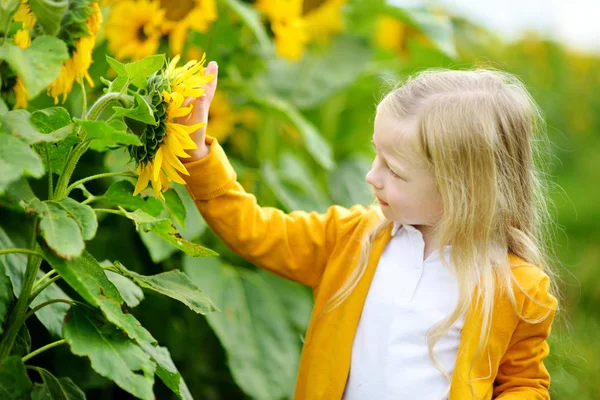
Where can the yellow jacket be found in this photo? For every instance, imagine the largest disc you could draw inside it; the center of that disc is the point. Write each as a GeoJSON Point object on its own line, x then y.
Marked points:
{"type": "Point", "coordinates": [319, 250]}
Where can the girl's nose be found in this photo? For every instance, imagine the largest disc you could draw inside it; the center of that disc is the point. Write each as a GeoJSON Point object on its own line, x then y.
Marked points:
{"type": "Point", "coordinates": [371, 180]}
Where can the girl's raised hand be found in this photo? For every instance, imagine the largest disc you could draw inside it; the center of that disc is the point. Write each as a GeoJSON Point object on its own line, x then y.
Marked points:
{"type": "Point", "coordinates": [199, 113]}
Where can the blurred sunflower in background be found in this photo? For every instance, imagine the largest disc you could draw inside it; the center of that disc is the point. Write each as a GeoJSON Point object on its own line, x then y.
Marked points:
{"type": "Point", "coordinates": [134, 28]}
{"type": "Point", "coordinates": [184, 15]}
{"type": "Point", "coordinates": [80, 26]}
{"type": "Point", "coordinates": [157, 158]}
{"type": "Point", "coordinates": [295, 23]}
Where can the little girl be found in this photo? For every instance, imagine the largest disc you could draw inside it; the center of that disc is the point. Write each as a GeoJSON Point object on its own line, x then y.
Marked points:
{"type": "Point", "coordinates": [452, 257]}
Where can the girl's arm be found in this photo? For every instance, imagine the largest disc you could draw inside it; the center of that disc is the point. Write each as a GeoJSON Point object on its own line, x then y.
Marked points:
{"type": "Point", "coordinates": [522, 374]}
{"type": "Point", "coordinates": [295, 245]}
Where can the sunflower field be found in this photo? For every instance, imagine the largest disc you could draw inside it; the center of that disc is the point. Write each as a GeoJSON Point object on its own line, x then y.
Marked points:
{"type": "Point", "coordinates": [112, 285]}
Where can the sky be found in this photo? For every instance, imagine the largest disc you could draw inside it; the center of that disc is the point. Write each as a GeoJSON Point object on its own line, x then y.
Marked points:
{"type": "Point", "coordinates": [574, 22]}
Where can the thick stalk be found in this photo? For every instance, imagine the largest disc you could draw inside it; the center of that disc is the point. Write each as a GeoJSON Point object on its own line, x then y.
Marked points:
{"type": "Point", "coordinates": [17, 316]}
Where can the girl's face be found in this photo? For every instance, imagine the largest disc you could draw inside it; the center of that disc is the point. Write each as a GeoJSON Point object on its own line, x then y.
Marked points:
{"type": "Point", "coordinates": [405, 188]}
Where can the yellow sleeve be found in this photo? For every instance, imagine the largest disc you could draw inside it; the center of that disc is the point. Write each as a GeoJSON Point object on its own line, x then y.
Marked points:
{"type": "Point", "coordinates": [296, 246]}
{"type": "Point", "coordinates": [522, 374]}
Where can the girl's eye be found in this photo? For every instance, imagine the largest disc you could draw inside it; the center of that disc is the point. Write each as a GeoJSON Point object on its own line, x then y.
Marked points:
{"type": "Point", "coordinates": [393, 173]}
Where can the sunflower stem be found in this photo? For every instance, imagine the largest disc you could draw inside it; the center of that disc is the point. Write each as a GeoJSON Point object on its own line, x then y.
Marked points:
{"type": "Point", "coordinates": [50, 179]}
{"type": "Point", "coordinates": [97, 176]}
{"type": "Point", "coordinates": [108, 210]}
{"type": "Point", "coordinates": [41, 280]}
{"type": "Point", "coordinates": [43, 348]}
{"type": "Point", "coordinates": [17, 316]}
{"type": "Point", "coordinates": [84, 96]}
{"type": "Point", "coordinates": [41, 288]}
{"type": "Point", "coordinates": [47, 303]}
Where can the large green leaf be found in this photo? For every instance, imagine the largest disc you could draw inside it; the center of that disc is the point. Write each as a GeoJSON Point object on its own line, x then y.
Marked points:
{"type": "Point", "coordinates": [317, 76]}
{"type": "Point", "coordinates": [164, 229]}
{"type": "Point", "coordinates": [51, 316]}
{"type": "Point", "coordinates": [106, 134]}
{"type": "Point", "coordinates": [194, 225]}
{"type": "Point", "coordinates": [6, 296]}
{"type": "Point", "coordinates": [145, 67]}
{"type": "Point", "coordinates": [83, 214]}
{"type": "Point", "coordinates": [174, 284]}
{"type": "Point", "coordinates": [167, 371]}
{"type": "Point", "coordinates": [20, 124]}
{"type": "Point", "coordinates": [286, 181]}
{"type": "Point", "coordinates": [131, 293]}
{"type": "Point", "coordinates": [54, 121]}
{"type": "Point", "coordinates": [38, 65]}
{"type": "Point", "coordinates": [58, 227]}
{"type": "Point", "coordinates": [175, 206]}
{"type": "Point", "coordinates": [112, 354]}
{"type": "Point", "coordinates": [262, 348]}
{"type": "Point", "coordinates": [121, 193]}
{"type": "Point", "coordinates": [14, 382]}
{"type": "Point", "coordinates": [141, 111]}
{"type": "Point", "coordinates": [17, 158]}
{"type": "Point", "coordinates": [55, 388]}
{"type": "Point", "coordinates": [49, 13]}
{"type": "Point", "coordinates": [87, 278]}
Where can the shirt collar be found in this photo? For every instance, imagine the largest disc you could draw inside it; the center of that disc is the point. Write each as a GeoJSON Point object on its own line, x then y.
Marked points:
{"type": "Point", "coordinates": [396, 228]}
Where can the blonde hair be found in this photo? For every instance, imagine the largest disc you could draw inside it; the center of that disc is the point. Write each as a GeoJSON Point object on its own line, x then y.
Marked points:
{"type": "Point", "coordinates": [482, 136]}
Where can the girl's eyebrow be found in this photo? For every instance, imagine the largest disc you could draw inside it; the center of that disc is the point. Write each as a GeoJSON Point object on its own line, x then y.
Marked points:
{"type": "Point", "coordinates": [395, 165]}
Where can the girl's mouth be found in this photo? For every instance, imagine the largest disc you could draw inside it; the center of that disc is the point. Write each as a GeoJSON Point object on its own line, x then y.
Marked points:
{"type": "Point", "coordinates": [383, 203]}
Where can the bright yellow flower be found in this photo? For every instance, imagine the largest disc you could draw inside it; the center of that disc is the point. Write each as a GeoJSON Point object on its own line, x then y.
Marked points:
{"type": "Point", "coordinates": [287, 25]}
{"type": "Point", "coordinates": [165, 166]}
{"type": "Point", "coordinates": [133, 29]}
{"type": "Point", "coordinates": [23, 40]}
{"type": "Point", "coordinates": [25, 16]}
{"type": "Point", "coordinates": [184, 15]}
{"type": "Point", "coordinates": [324, 19]}
{"type": "Point", "coordinates": [390, 33]}
{"type": "Point", "coordinates": [79, 64]}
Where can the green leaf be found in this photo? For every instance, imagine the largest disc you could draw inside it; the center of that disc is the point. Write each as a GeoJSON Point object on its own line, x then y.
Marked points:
{"type": "Point", "coordinates": [3, 107]}
{"type": "Point", "coordinates": [6, 296]}
{"type": "Point", "coordinates": [107, 134]}
{"type": "Point", "coordinates": [117, 66]}
{"type": "Point", "coordinates": [111, 353]}
{"type": "Point", "coordinates": [61, 232]}
{"type": "Point", "coordinates": [49, 13]}
{"type": "Point", "coordinates": [141, 111]}
{"type": "Point", "coordinates": [164, 229]}
{"type": "Point", "coordinates": [17, 158]}
{"type": "Point", "coordinates": [51, 316]}
{"type": "Point", "coordinates": [286, 183]}
{"type": "Point", "coordinates": [14, 382]}
{"type": "Point", "coordinates": [7, 9]}
{"type": "Point", "coordinates": [145, 67]}
{"type": "Point", "coordinates": [174, 284]}
{"type": "Point", "coordinates": [175, 206]}
{"type": "Point", "coordinates": [315, 144]}
{"type": "Point", "coordinates": [346, 183]}
{"type": "Point", "coordinates": [167, 371]}
{"type": "Point", "coordinates": [437, 27]}
{"type": "Point", "coordinates": [83, 214]}
{"type": "Point", "coordinates": [19, 124]}
{"type": "Point", "coordinates": [121, 193]}
{"type": "Point", "coordinates": [54, 121]}
{"type": "Point", "coordinates": [317, 76]}
{"type": "Point", "coordinates": [262, 348]}
{"type": "Point", "coordinates": [251, 18]}
{"type": "Point", "coordinates": [22, 344]}
{"type": "Point", "coordinates": [55, 389]}
{"type": "Point", "coordinates": [131, 293]}
{"type": "Point", "coordinates": [87, 278]}
{"type": "Point", "coordinates": [38, 65]}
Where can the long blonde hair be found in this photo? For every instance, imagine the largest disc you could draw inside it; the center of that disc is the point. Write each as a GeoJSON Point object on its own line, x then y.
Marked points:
{"type": "Point", "coordinates": [482, 136]}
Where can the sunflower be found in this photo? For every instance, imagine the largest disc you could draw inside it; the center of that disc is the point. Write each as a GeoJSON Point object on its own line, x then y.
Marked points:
{"type": "Point", "coordinates": [133, 29]}
{"type": "Point", "coordinates": [23, 39]}
{"type": "Point", "coordinates": [80, 45]}
{"type": "Point", "coordinates": [157, 159]}
{"type": "Point", "coordinates": [295, 23]}
{"type": "Point", "coordinates": [288, 26]}
{"type": "Point", "coordinates": [393, 34]}
{"type": "Point", "coordinates": [182, 16]}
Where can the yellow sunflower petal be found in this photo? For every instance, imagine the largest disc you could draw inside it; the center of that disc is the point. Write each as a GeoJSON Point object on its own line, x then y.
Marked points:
{"type": "Point", "coordinates": [172, 174]}
{"type": "Point", "coordinates": [173, 161]}
{"type": "Point", "coordinates": [143, 178]}
{"type": "Point", "coordinates": [174, 145]}
{"type": "Point", "coordinates": [157, 163]}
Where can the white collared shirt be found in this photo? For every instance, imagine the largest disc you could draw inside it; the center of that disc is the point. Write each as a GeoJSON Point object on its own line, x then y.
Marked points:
{"type": "Point", "coordinates": [406, 297]}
